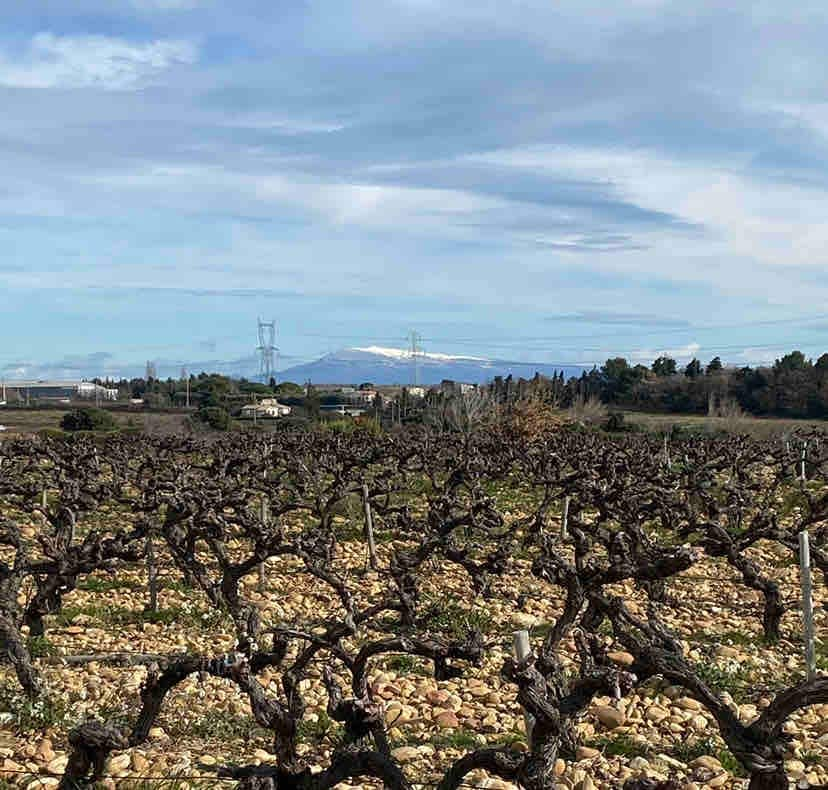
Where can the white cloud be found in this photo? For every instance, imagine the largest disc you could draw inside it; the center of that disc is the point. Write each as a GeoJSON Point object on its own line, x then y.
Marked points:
{"type": "Point", "coordinates": [766, 221]}
{"type": "Point", "coordinates": [339, 204]}
{"type": "Point", "coordinates": [52, 61]}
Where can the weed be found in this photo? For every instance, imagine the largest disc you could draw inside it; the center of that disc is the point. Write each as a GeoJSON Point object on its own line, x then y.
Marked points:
{"type": "Point", "coordinates": [730, 763]}
{"type": "Point", "coordinates": [620, 746]}
{"type": "Point", "coordinates": [452, 620]}
{"type": "Point", "coordinates": [40, 647]}
{"type": "Point", "coordinates": [26, 715]}
{"type": "Point", "coordinates": [821, 650]}
{"type": "Point", "coordinates": [406, 665]}
{"type": "Point", "coordinates": [735, 681]}
{"type": "Point", "coordinates": [176, 586]}
{"type": "Point", "coordinates": [108, 615]}
{"type": "Point", "coordinates": [510, 738]}
{"type": "Point", "coordinates": [97, 585]}
{"type": "Point", "coordinates": [458, 739]}
{"type": "Point", "coordinates": [324, 728]}
{"type": "Point", "coordinates": [687, 751]}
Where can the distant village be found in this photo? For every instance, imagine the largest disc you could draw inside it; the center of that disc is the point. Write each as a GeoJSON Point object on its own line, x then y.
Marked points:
{"type": "Point", "coordinates": [244, 399]}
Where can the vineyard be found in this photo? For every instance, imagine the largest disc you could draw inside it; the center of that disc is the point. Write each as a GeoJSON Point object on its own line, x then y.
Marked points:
{"type": "Point", "coordinates": [316, 609]}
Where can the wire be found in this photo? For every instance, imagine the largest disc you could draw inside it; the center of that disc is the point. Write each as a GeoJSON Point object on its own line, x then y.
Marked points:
{"type": "Point", "coordinates": [185, 777]}
{"type": "Point", "coordinates": [521, 341]}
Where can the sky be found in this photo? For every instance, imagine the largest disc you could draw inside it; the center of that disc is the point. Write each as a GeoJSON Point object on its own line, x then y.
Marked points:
{"type": "Point", "coordinates": [516, 179]}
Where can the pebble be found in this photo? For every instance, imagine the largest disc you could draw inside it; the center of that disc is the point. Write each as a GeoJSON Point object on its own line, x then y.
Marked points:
{"type": "Point", "coordinates": [405, 754]}
{"type": "Point", "coordinates": [609, 717]}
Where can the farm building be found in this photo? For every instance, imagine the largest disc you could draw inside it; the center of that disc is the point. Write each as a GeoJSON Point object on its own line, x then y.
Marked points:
{"type": "Point", "coordinates": [56, 390]}
{"type": "Point", "coordinates": [267, 409]}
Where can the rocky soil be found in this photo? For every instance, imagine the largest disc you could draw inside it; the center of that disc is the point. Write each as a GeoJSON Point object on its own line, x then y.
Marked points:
{"type": "Point", "coordinates": [655, 732]}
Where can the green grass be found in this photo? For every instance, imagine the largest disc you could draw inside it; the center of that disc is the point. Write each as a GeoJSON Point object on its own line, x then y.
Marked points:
{"type": "Point", "coordinates": [176, 586]}
{"type": "Point", "coordinates": [687, 751]}
{"type": "Point", "coordinates": [453, 621]}
{"type": "Point", "coordinates": [98, 585]}
{"type": "Point", "coordinates": [619, 746]}
{"type": "Point", "coordinates": [459, 739]}
{"type": "Point", "coordinates": [40, 647]}
{"type": "Point", "coordinates": [107, 615]}
{"type": "Point", "coordinates": [406, 665]}
{"type": "Point", "coordinates": [821, 651]}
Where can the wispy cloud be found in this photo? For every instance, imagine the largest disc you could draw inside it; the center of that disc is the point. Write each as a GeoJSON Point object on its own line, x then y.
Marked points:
{"type": "Point", "coordinates": [613, 318]}
{"type": "Point", "coordinates": [164, 5]}
{"type": "Point", "coordinates": [508, 159]}
{"type": "Point", "coordinates": [73, 62]}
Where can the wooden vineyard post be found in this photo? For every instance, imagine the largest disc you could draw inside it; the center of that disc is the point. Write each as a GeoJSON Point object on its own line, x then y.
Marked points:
{"type": "Point", "coordinates": [152, 576]}
{"type": "Point", "coordinates": [369, 527]}
{"type": "Point", "coordinates": [565, 519]}
{"type": "Point", "coordinates": [523, 651]}
{"type": "Point", "coordinates": [666, 454]}
{"type": "Point", "coordinates": [262, 573]}
{"type": "Point", "coordinates": [807, 603]}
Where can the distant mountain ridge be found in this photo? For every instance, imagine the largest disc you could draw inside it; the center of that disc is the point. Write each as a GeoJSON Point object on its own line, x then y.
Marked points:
{"type": "Point", "coordinates": [348, 366]}
{"type": "Point", "coordinates": [393, 366]}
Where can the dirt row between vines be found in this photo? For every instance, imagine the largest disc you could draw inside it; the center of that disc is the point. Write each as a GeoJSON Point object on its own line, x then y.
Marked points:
{"type": "Point", "coordinates": [655, 732]}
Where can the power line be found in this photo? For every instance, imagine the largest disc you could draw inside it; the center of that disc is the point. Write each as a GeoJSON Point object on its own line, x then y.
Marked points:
{"type": "Point", "coordinates": [414, 338]}
{"type": "Point", "coordinates": [267, 349]}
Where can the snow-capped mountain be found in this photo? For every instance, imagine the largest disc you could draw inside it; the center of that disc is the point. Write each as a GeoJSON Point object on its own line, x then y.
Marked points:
{"type": "Point", "coordinates": [396, 366]}
{"type": "Point", "coordinates": [376, 364]}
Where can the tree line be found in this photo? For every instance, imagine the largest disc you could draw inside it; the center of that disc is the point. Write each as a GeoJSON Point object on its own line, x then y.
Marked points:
{"type": "Point", "coordinates": [794, 386]}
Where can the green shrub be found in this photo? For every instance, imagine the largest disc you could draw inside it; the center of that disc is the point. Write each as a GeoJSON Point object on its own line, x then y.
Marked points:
{"type": "Point", "coordinates": [88, 419]}
{"type": "Point", "coordinates": [615, 422]}
{"type": "Point", "coordinates": [214, 417]}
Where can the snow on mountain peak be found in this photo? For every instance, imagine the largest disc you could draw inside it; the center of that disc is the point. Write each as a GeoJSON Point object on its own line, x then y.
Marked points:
{"type": "Point", "coordinates": [403, 354]}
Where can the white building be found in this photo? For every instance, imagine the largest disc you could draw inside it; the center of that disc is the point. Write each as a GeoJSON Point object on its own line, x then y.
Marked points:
{"type": "Point", "coordinates": [268, 409]}
{"type": "Point", "coordinates": [87, 389]}
{"type": "Point", "coordinates": [56, 390]}
{"type": "Point", "coordinates": [364, 396]}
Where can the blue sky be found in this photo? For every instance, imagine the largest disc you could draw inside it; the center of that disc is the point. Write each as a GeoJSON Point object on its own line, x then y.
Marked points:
{"type": "Point", "coordinates": [517, 179]}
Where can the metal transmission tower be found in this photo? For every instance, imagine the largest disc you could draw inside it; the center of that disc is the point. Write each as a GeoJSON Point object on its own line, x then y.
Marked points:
{"type": "Point", "coordinates": [267, 349]}
{"type": "Point", "coordinates": [414, 339]}
{"type": "Point", "coordinates": [185, 377]}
